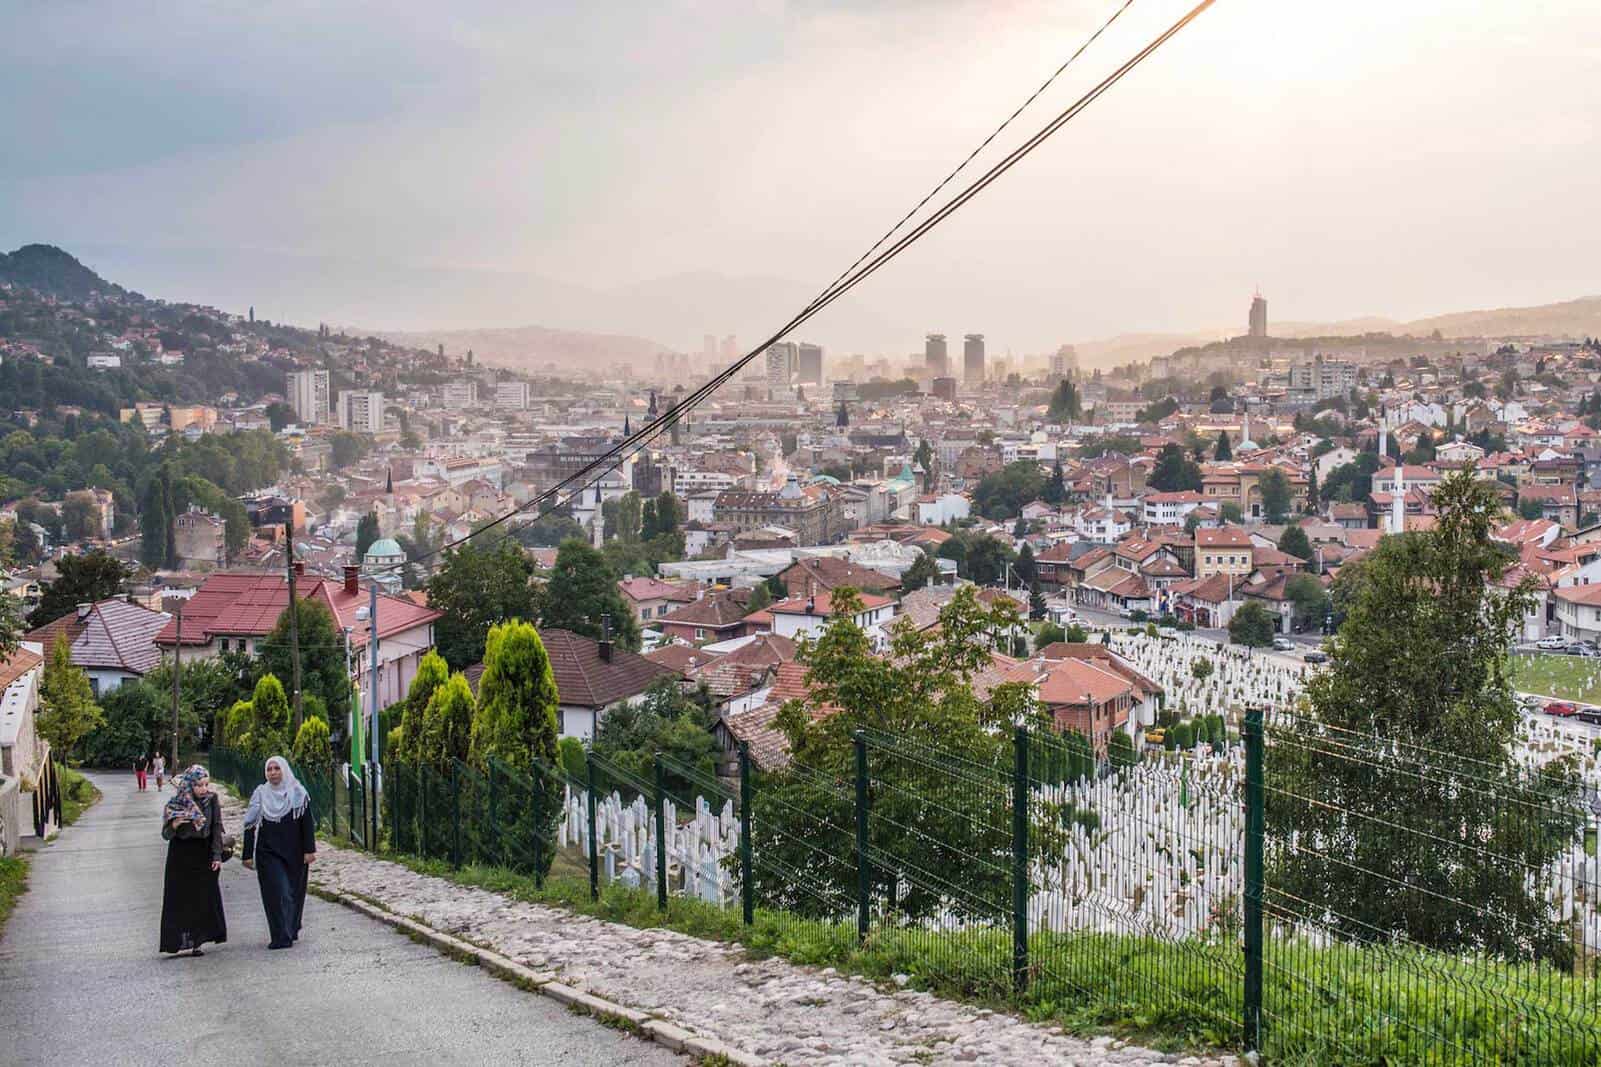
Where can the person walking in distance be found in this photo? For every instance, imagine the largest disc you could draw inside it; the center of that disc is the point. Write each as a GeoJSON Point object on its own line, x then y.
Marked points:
{"type": "Point", "coordinates": [158, 767]}
{"type": "Point", "coordinates": [141, 764]}
{"type": "Point", "coordinates": [191, 899]}
{"type": "Point", "coordinates": [280, 845]}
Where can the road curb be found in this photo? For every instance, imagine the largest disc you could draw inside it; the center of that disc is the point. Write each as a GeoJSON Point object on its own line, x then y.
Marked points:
{"type": "Point", "coordinates": [641, 1024]}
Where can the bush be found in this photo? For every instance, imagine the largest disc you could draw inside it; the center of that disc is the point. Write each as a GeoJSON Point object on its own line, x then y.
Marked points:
{"type": "Point", "coordinates": [1049, 634]}
{"type": "Point", "coordinates": [1170, 740]}
{"type": "Point", "coordinates": [1184, 734]}
{"type": "Point", "coordinates": [570, 753]}
{"type": "Point", "coordinates": [311, 744]}
{"type": "Point", "coordinates": [1121, 750]}
{"type": "Point", "coordinates": [1202, 669]}
{"type": "Point", "coordinates": [1075, 634]}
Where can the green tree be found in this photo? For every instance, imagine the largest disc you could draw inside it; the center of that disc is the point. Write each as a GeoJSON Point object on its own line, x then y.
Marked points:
{"type": "Point", "coordinates": [923, 571]}
{"type": "Point", "coordinates": [570, 751]}
{"type": "Point", "coordinates": [348, 448]}
{"type": "Point", "coordinates": [1055, 491]}
{"type": "Point", "coordinates": [663, 720]}
{"type": "Point", "coordinates": [154, 525]}
{"type": "Point", "coordinates": [312, 747]}
{"type": "Point", "coordinates": [1075, 634]}
{"type": "Point", "coordinates": [1049, 634]}
{"type": "Point", "coordinates": [323, 672]}
{"type": "Point", "coordinates": [1024, 567]}
{"type": "Point", "coordinates": [921, 688]}
{"type": "Point", "coordinates": [1036, 601]}
{"type": "Point", "coordinates": [1201, 669]}
{"type": "Point", "coordinates": [85, 579]}
{"type": "Point", "coordinates": [1252, 625]}
{"type": "Point", "coordinates": [1174, 472]}
{"type": "Point", "coordinates": [1294, 542]}
{"type": "Point", "coordinates": [476, 587]}
{"type": "Point", "coordinates": [1223, 451]}
{"type": "Point", "coordinates": [760, 597]}
{"type": "Point", "coordinates": [1064, 402]}
{"type": "Point", "coordinates": [366, 534]}
{"type": "Point", "coordinates": [447, 723]}
{"type": "Point", "coordinates": [266, 725]}
{"type": "Point", "coordinates": [1444, 838]}
{"type": "Point", "coordinates": [432, 672]}
{"type": "Point", "coordinates": [1275, 489]}
{"type": "Point", "coordinates": [136, 720]}
{"type": "Point", "coordinates": [1309, 600]}
{"type": "Point", "coordinates": [1229, 512]}
{"type": "Point", "coordinates": [1001, 494]}
{"type": "Point", "coordinates": [986, 559]}
{"type": "Point", "coordinates": [582, 588]}
{"type": "Point", "coordinates": [1121, 751]}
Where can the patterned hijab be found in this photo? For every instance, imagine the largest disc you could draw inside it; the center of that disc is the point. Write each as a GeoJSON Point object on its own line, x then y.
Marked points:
{"type": "Point", "coordinates": [183, 804]}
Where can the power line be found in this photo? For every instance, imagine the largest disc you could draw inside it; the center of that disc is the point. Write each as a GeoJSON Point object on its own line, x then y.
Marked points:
{"type": "Point", "coordinates": [848, 281]}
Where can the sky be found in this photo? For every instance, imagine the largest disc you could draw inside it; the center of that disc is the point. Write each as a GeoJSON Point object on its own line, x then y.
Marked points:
{"type": "Point", "coordinates": [684, 167]}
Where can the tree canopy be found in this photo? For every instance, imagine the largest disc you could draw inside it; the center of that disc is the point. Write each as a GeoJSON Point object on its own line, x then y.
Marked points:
{"type": "Point", "coordinates": [580, 589]}
{"type": "Point", "coordinates": [477, 586]}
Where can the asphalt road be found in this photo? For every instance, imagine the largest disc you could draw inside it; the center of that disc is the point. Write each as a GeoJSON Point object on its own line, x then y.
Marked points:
{"type": "Point", "coordinates": [81, 980]}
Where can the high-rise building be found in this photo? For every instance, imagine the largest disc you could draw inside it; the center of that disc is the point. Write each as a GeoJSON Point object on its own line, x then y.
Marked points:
{"type": "Point", "coordinates": [1258, 316]}
{"type": "Point", "coordinates": [361, 410]}
{"type": "Point", "coordinates": [511, 396]}
{"type": "Point", "coordinates": [781, 360]}
{"type": "Point", "coordinates": [973, 358]}
{"type": "Point", "coordinates": [935, 362]}
{"type": "Point", "coordinates": [809, 369]}
{"type": "Point", "coordinates": [944, 389]}
{"type": "Point", "coordinates": [460, 395]}
{"type": "Point", "coordinates": [1064, 362]}
{"type": "Point", "coordinates": [308, 396]}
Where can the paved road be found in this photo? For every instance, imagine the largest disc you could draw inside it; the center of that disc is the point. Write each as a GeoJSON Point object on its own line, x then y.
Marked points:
{"type": "Point", "coordinates": [81, 980]}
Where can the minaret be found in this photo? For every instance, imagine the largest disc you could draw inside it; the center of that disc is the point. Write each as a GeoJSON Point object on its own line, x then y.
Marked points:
{"type": "Point", "coordinates": [1398, 504]}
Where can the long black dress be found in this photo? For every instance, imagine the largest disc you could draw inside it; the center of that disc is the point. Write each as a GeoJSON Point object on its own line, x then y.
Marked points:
{"type": "Point", "coordinates": [279, 850]}
{"type": "Point", "coordinates": [191, 902]}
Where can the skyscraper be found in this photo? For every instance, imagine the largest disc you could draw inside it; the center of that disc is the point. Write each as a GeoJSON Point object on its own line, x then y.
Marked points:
{"type": "Point", "coordinates": [1258, 316]}
{"type": "Point", "coordinates": [935, 362]}
{"type": "Point", "coordinates": [781, 360]}
{"type": "Point", "coordinates": [308, 396]}
{"type": "Point", "coordinates": [810, 368]}
{"type": "Point", "coordinates": [973, 358]}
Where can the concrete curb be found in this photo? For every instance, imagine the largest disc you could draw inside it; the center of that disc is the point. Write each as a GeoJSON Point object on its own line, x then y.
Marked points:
{"type": "Point", "coordinates": [642, 1024]}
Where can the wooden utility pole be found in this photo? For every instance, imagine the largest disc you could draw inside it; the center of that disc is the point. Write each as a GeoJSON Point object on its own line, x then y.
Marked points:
{"type": "Point", "coordinates": [294, 625]}
{"type": "Point", "coordinates": [177, 666]}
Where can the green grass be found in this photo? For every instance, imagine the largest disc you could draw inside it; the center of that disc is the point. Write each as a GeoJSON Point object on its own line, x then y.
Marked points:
{"type": "Point", "coordinates": [13, 883]}
{"type": "Point", "coordinates": [78, 795]}
{"type": "Point", "coordinates": [1336, 1004]}
{"type": "Point", "coordinates": [1564, 677]}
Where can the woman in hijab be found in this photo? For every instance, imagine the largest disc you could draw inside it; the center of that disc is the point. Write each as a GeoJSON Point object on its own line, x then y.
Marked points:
{"type": "Point", "coordinates": [280, 844]}
{"type": "Point", "coordinates": [191, 901]}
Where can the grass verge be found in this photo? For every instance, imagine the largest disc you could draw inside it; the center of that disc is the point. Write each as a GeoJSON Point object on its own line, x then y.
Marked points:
{"type": "Point", "coordinates": [1563, 677]}
{"type": "Point", "coordinates": [13, 883]}
{"type": "Point", "coordinates": [1322, 1004]}
{"type": "Point", "coordinates": [78, 795]}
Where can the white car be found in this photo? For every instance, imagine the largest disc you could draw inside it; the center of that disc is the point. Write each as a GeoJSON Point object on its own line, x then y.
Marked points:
{"type": "Point", "coordinates": [1552, 642]}
{"type": "Point", "coordinates": [1283, 644]}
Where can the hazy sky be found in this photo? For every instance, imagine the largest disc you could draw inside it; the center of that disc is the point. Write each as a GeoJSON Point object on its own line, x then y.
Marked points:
{"type": "Point", "coordinates": [409, 164]}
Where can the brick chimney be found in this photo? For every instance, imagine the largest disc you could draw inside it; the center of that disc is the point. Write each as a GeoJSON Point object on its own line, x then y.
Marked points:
{"type": "Point", "coordinates": [352, 574]}
{"type": "Point", "coordinates": [605, 639]}
{"type": "Point", "coordinates": [300, 568]}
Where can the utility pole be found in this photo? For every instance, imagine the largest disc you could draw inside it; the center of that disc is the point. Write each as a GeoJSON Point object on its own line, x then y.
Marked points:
{"type": "Point", "coordinates": [294, 622]}
{"type": "Point", "coordinates": [372, 673]}
{"type": "Point", "coordinates": [177, 663]}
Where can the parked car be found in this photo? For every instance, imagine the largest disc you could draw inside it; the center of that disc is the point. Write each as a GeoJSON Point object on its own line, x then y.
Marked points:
{"type": "Point", "coordinates": [1562, 709]}
{"type": "Point", "coordinates": [1590, 714]}
{"type": "Point", "coordinates": [1580, 648]}
{"type": "Point", "coordinates": [1551, 643]}
{"type": "Point", "coordinates": [1316, 655]}
{"type": "Point", "coordinates": [1283, 644]}
{"type": "Point", "coordinates": [1531, 704]}
{"type": "Point", "coordinates": [1157, 736]}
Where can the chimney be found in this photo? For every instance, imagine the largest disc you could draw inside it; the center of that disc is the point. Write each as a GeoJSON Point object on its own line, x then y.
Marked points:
{"type": "Point", "coordinates": [352, 574]}
{"type": "Point", "coordinates": [300, 568]}
{"type": "Point", "coordinates": [84, 609]}
{"type": "Point", "coordinates": [811, 598]}
{"type": "Point", "coordinates": [605, 639]}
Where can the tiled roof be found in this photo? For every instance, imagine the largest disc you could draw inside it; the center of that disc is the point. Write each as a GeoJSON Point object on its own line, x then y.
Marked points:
{"type": "Point", "coordinates": [1222, 537]}
{"type": "Point", "coordinates": [828, 572]}
{"type": "Point", "coordinates": [585, 680]}
{"type": "Point", "coordinates": [713, 612]}
{"type": "Point", "coordinates": [19, 663]}
{"type": "Point", "coordinates": [641, 589]}
{"type": "Point", "coordinates": [822, 604]}
{"type": "Point", "coordinates": [681, 658]}
{"type": "Point", "coordinates": [112, 635]}
{"type": "Point", "coordinates": [249, 605]}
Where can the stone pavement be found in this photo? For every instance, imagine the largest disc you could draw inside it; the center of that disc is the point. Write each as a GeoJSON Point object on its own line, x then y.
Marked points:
{"type": "Point", "coordinates": [81, 980]}
{"type": "Point", "coordinates": [772, 1009]}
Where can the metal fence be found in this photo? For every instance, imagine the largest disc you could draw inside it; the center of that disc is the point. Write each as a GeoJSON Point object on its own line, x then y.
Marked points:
{"type": "Point", "coordinates": [1318, 896]}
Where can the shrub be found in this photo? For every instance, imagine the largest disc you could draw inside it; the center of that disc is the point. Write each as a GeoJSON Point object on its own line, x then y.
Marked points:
{"type": "Point", "coordinates": [311, 746]}
{"type": "Point", "coordinates": [570, 753]}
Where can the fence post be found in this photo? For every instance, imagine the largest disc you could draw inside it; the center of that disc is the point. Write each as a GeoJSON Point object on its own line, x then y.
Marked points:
{"type": "Point", "coordinates": [661, 836]}
{"type": "Point", "coordinates": [862, 872]}
{"type": "Point", "coordinates": [1255, 830]}
{"type": "Point", "coordinates": [455, 815]}
{"type": "Point", "coordinates": [1020, 798]}
{"type": "Point", "coordinates": [536, 778]}
{"type": "Point", "coordinates": [494, 813]}
{"type": "Point", "coordinates": [395, 842]}
{"type": "Point", "coordinates": [350, 803]}
{"type": "Point", "coordinates": [594, 854]}
{"type": "Point", "coordinates": [374, 820]}
{"type": "Point", "coordinates": [747, 891]}
{"type": "Point", "coordinates": [422, 810]}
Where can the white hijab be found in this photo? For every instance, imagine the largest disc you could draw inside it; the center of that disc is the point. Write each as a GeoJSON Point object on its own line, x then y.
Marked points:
{"type": "Point", "coordinates": [271, 802]}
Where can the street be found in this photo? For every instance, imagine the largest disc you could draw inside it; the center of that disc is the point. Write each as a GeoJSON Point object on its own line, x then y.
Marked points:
{"type": "Point", "coordinates": [81, 980]}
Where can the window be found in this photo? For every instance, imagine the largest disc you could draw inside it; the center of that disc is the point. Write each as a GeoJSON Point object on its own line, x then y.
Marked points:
{"type": "Point", "coordinates": [561, 721]}
{"type": "Point", "coordinates": [700, 634]}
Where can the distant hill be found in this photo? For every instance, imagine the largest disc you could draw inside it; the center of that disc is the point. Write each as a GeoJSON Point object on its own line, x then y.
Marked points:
{"type": "Point", "coordinates": [49, 270]}
{"type": "Point", "coordinates": [532, 348]}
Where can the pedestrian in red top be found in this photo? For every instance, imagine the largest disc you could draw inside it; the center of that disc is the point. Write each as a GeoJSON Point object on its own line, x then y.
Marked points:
{"type": "Point", "coordinates": [140, 766]}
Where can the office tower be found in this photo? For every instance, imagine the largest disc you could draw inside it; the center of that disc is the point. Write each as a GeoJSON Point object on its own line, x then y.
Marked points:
{"type": "Point", "coordinates": [935, 363]}
{"type": "Point", "coordinates": [781, 359]}
{"type": "Point", "coordinates": [945, 389]}
{"type": "Point", "coordinates": [511, 396]}
{"type": "Point", "coordinates": [809, 370]}
{"type": "Point", "coordinates": [308, 396]}
{"type": "Point", "coordinates": [1258, 316]}
{"type": "Point", "coordinates": [460, 395]}
{"type": "Point", "coordinates": [973, 358]}
{"type": "Point", "coordinates": [1064, 362]}
{"type": "Point", "coordinates": [361, 410]}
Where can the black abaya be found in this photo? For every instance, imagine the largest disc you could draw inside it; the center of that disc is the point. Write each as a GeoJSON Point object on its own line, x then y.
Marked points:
{"type": "Point", "coordinates": [279, 850]}
{"type": "Point", "coordinates": [191, 900]}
